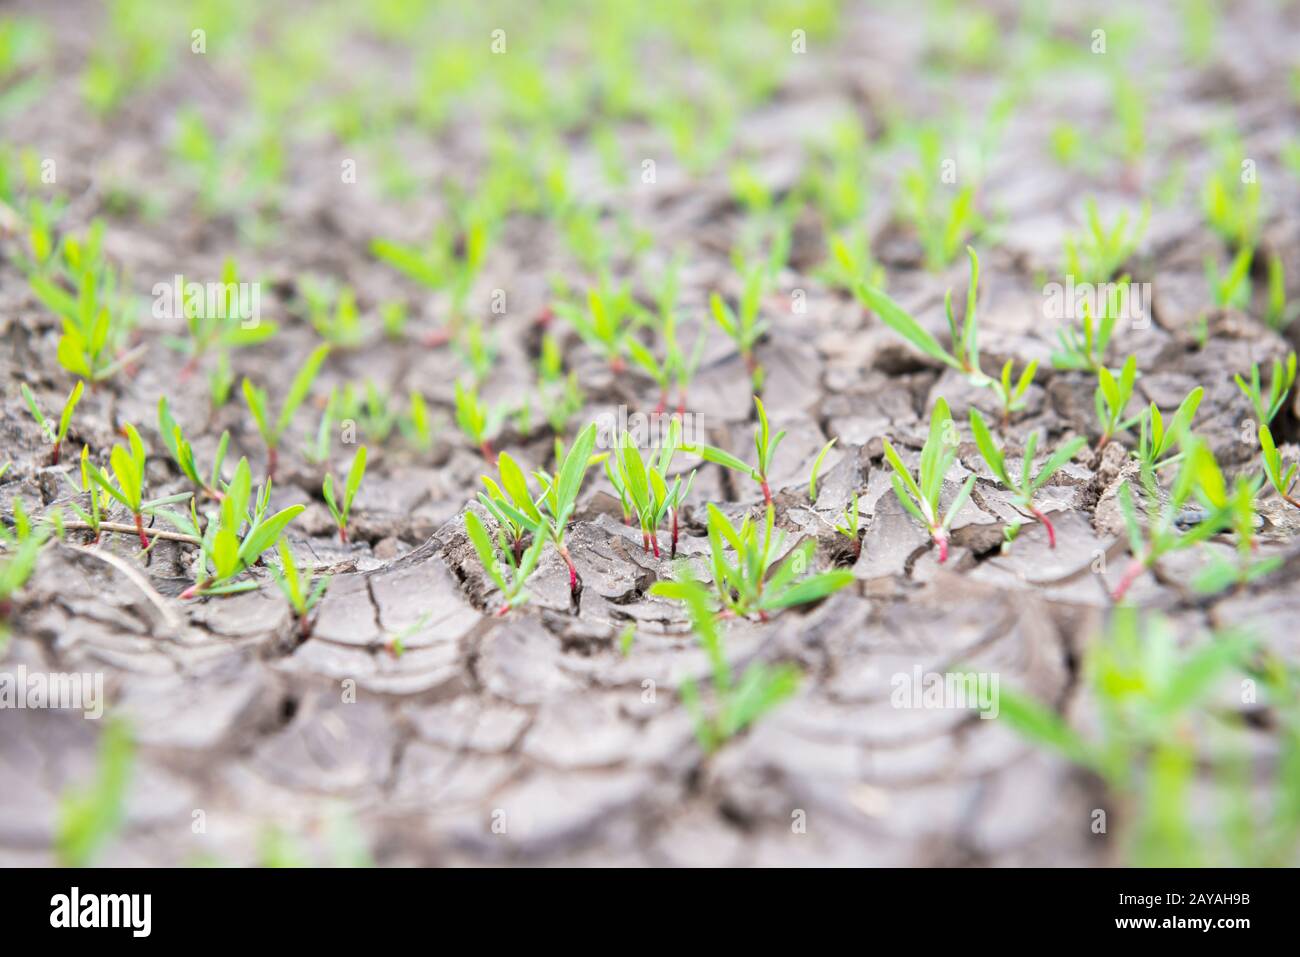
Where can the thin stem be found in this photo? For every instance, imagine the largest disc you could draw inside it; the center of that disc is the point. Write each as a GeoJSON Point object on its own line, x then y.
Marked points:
{"type": "Point", "coordinates": [767, 492]}
{"type": "Point", "coordinates": [139, 528]}
{"type": "Point", "coordinates": [119, 527]}
{"type": "Point", "coordinates": [673, 553]}
{"type": "Point", "coordinates": [1051, 532]}
{"type": "Point", "coordinates": [1135, 568]}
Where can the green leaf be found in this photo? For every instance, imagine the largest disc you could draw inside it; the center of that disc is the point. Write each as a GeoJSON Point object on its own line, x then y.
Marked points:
{"type": "Point", "coordinates": [810, 589]}
{"type": "Point", "coordinates": [355, 475]}
{"type": "Point", "coordinates": [1042, 725]}
{"type": "Point", "coordinates": [816, 467]}
{"type": "Point", "coordinates": [993, 455]}
{"type": "Point", "coordinates": [299, 388]}
{"type": "Point", "coordinates": [892, 315]}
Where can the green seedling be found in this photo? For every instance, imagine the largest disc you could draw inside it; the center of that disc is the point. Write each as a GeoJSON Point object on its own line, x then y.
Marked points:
{"type": "Point", "coordinates": [128, 469]}
{"type": "Point", "coordinates": [258, 404]}
{"type": "Point", "coordinates": [477, 350]}
{"type": "Point", "coordinates": [511, 503]}
{"type": "Point", "coordinates": [342, 510]}
{"type": "Point", "coordinates": [1148, 693]}
{"type": "Point", "coordinates": [90, 815]}
{"type": "Point", "coordinates": [1023, 489]}
{"type": "Point", "coordinates": [850, 527]}
{"type": "Point", "coordinates": [1163, 533]}
{"type": "Point", "coordinates": [317, 450]}
{"type": "Point", "coordinates": [1278, 313]}
{"type": "Point", "coordinates": [234, 537]}
{"type": "Point", "coordinates": [1237, 508]}
{"type": "Point", "coordinates": [451, 261]}
{"type": "Point", "coordinates": [337, 320]}
{"type": "Point", "coordinates": [416, 425]}
{"type": "Point", "coordinates": [1012, 396]}
{"type": "Point", "coordinates": [511, 575]}
{"type": "Point", "coordinates": [743, 325]}
{"type": "Point", "coordinates": [1279, 387]}
{"type": "Point", "coordinates": [920, 494]}
{"type": "Point", "coordinates": [1280, 477]}
{"type": "Point", "coordinates": [676, 369]}
{"type": "Point", "coordinates": [100, 499]}
{"type": "Point", "coordinates": [217, 319]}
{"type": "Point", "coordinates": [393, 316]}
{"type": "Point", "coordinates": [1158, 442]}
{"type": "Point", "coordinates": [476, 420]}
{"type": "Point", "coordinates": [1085, 349]}
{"type": "Point", "coordinates": [765, 445]}
{"type": "Point", "coordinates": [745, 587]}
{"type": "Point", "coordinates": [1231, 289]}
{"type": "Point", "coordinates": [850, 261]}
{"type": "Point", "coordinates": [370, 410]}
{"type": "Point", "coordinates": [559, 498]}
{"type": "Point", "coordinates": [1231, 199]}
{"type": "Point", "coordinates": [20, 548]}
{"type": "Point", "coordinates": [1099, 253]}
{"type": "Point", "coordinates": [816, 467]}
{"type": "Point", "coordinates": [53, 435]}
{"type": "Point", "coordinates": [738, 703]}
{"type": "Point", "coordinates": [965, 356]}
{"type": "Point", "coordinates": [944, 218]}
{"type": "Point", "coordinates": [603, 325]}
{"type": "Point", "coordinates": [643, 487]}
{"type": "Point", "coordinates": [302, 593]}
{"type": "Point", "coordinates": [1112, 398]}
{"type": "Point", "coordinates": [183, 454]}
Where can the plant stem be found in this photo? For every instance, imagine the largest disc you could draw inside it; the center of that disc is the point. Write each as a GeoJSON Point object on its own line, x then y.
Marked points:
{"type": "Point", "coordinates": [343, 534]}
{"type": "Point", "coordinates": [767, 492]}
{"type": "Point", "coordinates": [941, 542]}
{"type": "Point", "coordinates": [673, 553]}
{"type": "Point", "coordinates": [573, 571]}
{"type": "Point", "coordinates": [1135, 568]}
{"type": "Point", "coordinates": [272, 460]}
{"type": "Point", "coordinates": [485, 448]}
{"type": "Point", "coordinates": [55, 456]}
{"type": "Point", "coordinates": [1051, 532]}
{"type": "Point", "coordinates": [139, 527]}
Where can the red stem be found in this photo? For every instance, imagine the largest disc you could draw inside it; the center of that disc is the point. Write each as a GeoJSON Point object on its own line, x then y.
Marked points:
{"type": "Point", "coordinates": [767, 492]}
{"type": "Point", "coordinates": [673, 554]}
{"type": "Point", "coordinates": [654, 540]}
{"type": "Point", "coordinates": [1051, 532]}
{"type": "Point", "coordinates": [941, 542]}
{"type": "Point", "coordinates": [1135, 568]}
{"type": "Point", "coordinates": [139, 527]}
{"type": "Point", "coordinates": [343, 534]}
{"type": "Point", "coordinates": [272, 460]}
{"type": "Point", "coordinates": [56, 453]}
{"type": "Point", "coordinates": [485, 447]}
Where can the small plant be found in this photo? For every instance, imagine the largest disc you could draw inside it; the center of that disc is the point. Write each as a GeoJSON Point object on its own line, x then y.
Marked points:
{"type": "Point", "coordinates": [738, 703]}
{"type": "Point", "coordinates": [303, 595]}
{"type": "Point", "coordinates": [1112, 398]}
{"type": "Point", "coordinates": [1022, 490]}
{"type": "Point", "coordinates": [559, 498]}
{"type": "Point", "coordinates": [1282, 479]}
{"type": "Point", "coordinates": [745, 587]}
{"type": "Point", "coordinates": [743, 326]}
{"type": "Point", "coordinates": [965, 356]}
{"type": "Point", "coordinates": [764, 444]}
{"type": "Point", "coordinates": [943, 218]}
{"type": "Point", "coordinates": [1156, 441]}
{"type": "Point", "coordinates": [258, 404]}
{"type": "Point", "coordinates": [1099, 254]}
{"type": "Point", "coordinates": [1162, 534]}
{"type": "Point", "coordinates": [1278, 313]}
{"type": "Point", "coordinates": [234, 537]}
{"type": "Point", "coordinates": [1231, 289]}
{"type": "Point", "coordinates": [816, 467]}
{"type": "Point", "coordinates": [476, 420]}
{"type": "Point", "coordinates": [676, 369]}
{"type": "Point", "coordinates": [317, 449]}
{"type": "Point", "coordinates": [338, 322]}
{"type": "Point", "coordinates": [920, 495]}
{"type": "Point", "coordinates": [89, 816]}
{"type": "Point", "coordinates": [218, 324]}
{"type": "Point", "coordinates": [850, 527]}
{"type": "Point", "coordinates": [1011, 396]}
{"type": "Point", "coordinates": [53, 435]}
{"type": "Point", "coordinates": [511, 575]}
{"type": "Point", "coordinates": [20, 547]}
{"type": "Point", "coordinates": [416, 425]}
{"type": "Point", "coordinates": [100, 499]}
{"type": "Point", "coordinates": [183, 454]}
{"type": "Point", "coordinates": [342, 511]}
{"type": "Point", "coordinates": [644, 487]}
{"type": "Point", "coordinates": [1279, 386]}
{"type": "Point", "coordinates": [1231, 201]}
{"type": "Point", "coordinates": [128, 469]}
{"type": "Point", "coordinates": [603, 325]}
{"type": "Point", "coordinates": [1085, 349]}
{"type": "Point", "coordinates": [511, 503]}
{"type": "Point", "coordinates": [1146, 691]}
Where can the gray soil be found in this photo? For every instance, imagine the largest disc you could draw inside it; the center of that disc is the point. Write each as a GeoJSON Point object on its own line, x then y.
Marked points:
{"type": "Point", "coordinates": [533, 737]}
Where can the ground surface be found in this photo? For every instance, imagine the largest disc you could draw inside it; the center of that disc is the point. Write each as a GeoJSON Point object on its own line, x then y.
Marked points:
{"type": "Point", "coordinates": [538, 719]}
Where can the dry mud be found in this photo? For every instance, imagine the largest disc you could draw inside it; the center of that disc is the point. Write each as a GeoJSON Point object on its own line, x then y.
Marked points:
{"type": "Point", "coordinates": [534, 737]}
